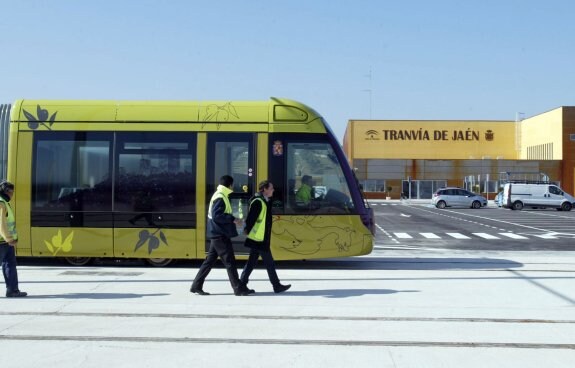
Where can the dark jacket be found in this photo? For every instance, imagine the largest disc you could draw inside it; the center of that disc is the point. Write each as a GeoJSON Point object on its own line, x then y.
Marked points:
{"type": "Point", "coordinates": [221, 223]}
{"type": "Point", "coordinates": [253, 214]}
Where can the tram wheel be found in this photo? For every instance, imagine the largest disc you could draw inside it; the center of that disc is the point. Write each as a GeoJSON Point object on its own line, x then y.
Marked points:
{"type": "Point", "coordinates": [159, 262]}
{"type": "Point", "coordinates": [78, 261]}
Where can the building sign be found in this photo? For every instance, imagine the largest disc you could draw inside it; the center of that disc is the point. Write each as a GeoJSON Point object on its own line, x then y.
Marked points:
{"type": "Point", "coordinates": [434, 139]}
{"type": "Point", "coordinates": [427, 135]}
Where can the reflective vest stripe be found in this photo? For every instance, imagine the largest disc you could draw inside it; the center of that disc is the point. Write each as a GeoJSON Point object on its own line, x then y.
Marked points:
{"type": "Point", "coordinates": [258, 231]}
{"type": "Point", "coordinates": [221, 195]}
{"type": "Point", "coordinates": [11, 221]}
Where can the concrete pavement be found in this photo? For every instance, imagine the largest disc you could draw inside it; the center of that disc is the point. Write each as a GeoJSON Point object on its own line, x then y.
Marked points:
{"type": "Point", "coordinates": [461, 309]}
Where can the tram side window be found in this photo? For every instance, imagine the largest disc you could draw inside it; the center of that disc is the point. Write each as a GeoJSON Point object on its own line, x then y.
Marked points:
{"type": "Point", "coordinates": [155, 172]}
{"type": "Point", "coordinates": [315, 181]}
{"type": "Point", "coordinates": [72, 172]}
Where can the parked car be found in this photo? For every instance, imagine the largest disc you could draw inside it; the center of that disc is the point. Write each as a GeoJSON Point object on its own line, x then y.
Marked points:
{"type": "Point", "coordinates": [457, 197]}
{"type": "Point", "coordinates": [536, 195]}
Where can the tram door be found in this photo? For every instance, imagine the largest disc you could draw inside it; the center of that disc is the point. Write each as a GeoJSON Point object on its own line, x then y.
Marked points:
{"type": "Point", "coordinates": [232, 154]}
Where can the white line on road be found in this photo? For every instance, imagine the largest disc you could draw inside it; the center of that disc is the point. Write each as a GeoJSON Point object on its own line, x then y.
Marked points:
{"type": "Point", "coordinates": [485, 236]}
{"type": "Point", "coordinates": [430, 236]}
{"type": "Point", "coordinates": [458, 236]}
{"type": "Point", "coordinates": [546, 236]}
{"type": "Point", "coordinates": [379, 247]}
{"type": "Point", "coordinates": [387, 234]}
{"type": "Point", "coordinates": [513, 236]}
{"type": "Point", "coordinates": [403, 235]}
{"type": "Point", "coordinates": [390, 246]}
{"type": "Point", "coordinates": [445, 211]}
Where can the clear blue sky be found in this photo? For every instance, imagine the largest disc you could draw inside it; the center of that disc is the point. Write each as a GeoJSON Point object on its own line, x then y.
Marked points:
{"type": "Point", "coordinates": [439, 59]}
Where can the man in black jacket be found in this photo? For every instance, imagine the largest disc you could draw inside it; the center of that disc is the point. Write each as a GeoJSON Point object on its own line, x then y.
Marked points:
{"type": "Point", "coordinates": [221, 228]}
{"type": "Point", "coordinates": [258, 229]}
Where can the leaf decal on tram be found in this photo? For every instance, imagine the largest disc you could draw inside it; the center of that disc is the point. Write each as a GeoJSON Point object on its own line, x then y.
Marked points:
{"type": "Point", "coordinates": [58, 244]}
{"type": "Point", "coordinates": [219, 114]}
{"type": "Point", "coordinates": [144, 236]}
{"type": "Point", "coordinates": [41, 118]}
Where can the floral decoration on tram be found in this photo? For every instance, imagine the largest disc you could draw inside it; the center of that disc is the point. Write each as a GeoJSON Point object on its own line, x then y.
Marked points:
{"type": "Point", "coordinates": [58, 244]}
{"type": "Point", "coordinates": [153, 241]}
{"type": "Point", "coordinates": [41, 118]}
{"type": "Point", "coordinates": [219, 113]}
{"type": "Point", "coordinates": [306, 235]}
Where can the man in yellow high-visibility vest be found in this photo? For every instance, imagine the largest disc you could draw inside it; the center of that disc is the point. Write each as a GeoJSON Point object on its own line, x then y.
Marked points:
{"type": "Point", "coordinates": [304, 194]}
{"type": "Point", "coordinates": [8, 241]}
{"type": "Point", "coordinates": [221, 228]}
{"type": "Point", "coordinates": [258, 228]}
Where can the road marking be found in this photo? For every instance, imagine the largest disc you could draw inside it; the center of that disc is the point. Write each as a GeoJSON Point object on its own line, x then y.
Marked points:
{"type": "Point", "coordinates": [395, 236]}
{"type": "Point", "coordinates": [445, 211]}
{"type": "Point", "coordinates": [458, 236]}
{"type": "Point", "coordinates": [403, 236]}
{"type": "Point", "coordinates": [402, 215]}
{"type": "Point", "coordinates": [513, 236]}
{"type": "Point", "coordinates": [406, 247]}
{"type": "Point", "coordinates": [546, 236]}
{"type": "Point", "coordinates": [113, 340]}
{"type": "Point", "coordinates": [387, 234]}
{"type": "Point", "coordinates": [485, 236]}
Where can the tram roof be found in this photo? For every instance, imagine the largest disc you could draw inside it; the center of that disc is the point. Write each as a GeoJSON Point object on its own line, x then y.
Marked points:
{"type": "Point", "coordinates": [275, 110]}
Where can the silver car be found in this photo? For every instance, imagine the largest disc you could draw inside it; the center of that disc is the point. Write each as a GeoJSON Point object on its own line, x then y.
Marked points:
{"type": "Point", "coordinates": [457, 197]}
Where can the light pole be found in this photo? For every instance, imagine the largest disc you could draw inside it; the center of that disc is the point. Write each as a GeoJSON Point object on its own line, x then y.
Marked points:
{"type": "Point", "coordinates": [369, 91]}
{"type": "Point", "coordinates": [518, 118]}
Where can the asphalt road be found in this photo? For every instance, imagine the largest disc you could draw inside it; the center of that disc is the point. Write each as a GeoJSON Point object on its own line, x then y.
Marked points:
{"type": "Point", "coordinates": [412, 226]}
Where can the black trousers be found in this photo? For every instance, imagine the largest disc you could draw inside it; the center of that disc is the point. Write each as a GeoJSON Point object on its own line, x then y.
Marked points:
{"type": "Point", "coordinates": [268, 262]}
{"type": "Point", "coordinates": [222, 248]}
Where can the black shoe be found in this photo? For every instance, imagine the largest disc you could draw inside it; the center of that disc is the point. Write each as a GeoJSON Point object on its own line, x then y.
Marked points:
{"type": "Point", "coordinates": [16, 294]}
{"type": "Point", "coordinates": [244, 287]}
{"type": "Point", "coordinates": [198, 291]}
{"type": "Point", "coordinates": [281, 288]}
{"type": "Point", "coordinates": [241, 292]}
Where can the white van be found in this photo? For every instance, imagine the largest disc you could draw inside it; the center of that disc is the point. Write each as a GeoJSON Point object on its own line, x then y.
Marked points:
{"type": "Point", "coordinates": [536, 195]}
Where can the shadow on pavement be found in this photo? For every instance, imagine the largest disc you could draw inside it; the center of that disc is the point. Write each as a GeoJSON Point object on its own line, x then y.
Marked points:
{"type": "Point", "coordinates": [351, 263]}
{"type": "Point", "coordinates": [340, 293]}
{"type": "Point", "coordinates": [383, 263]}
{"type": "Point", "coordinates": [93, 296]}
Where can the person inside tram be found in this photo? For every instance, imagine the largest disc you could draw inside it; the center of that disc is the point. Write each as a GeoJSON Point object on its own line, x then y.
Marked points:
{"type": "Point", "coordinates": [304, 194]}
